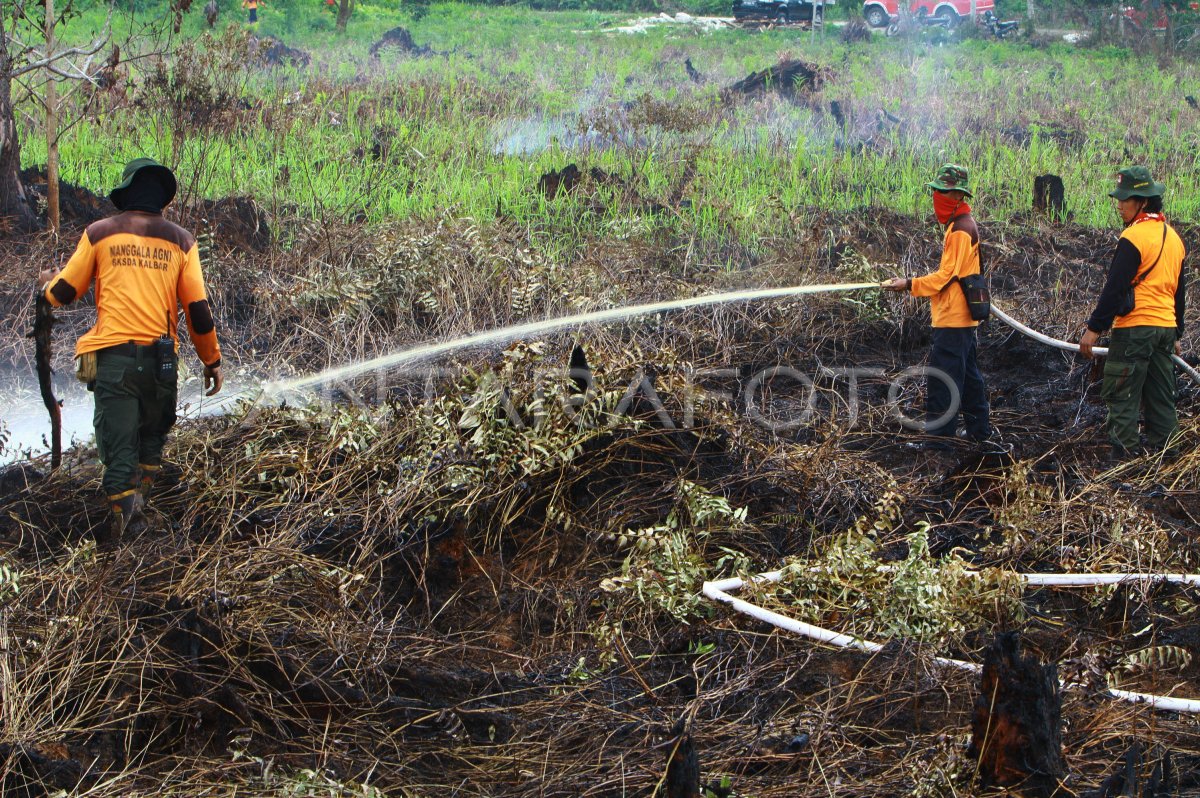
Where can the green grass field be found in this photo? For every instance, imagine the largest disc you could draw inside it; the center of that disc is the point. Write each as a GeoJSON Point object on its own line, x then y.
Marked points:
{"type": "Point", "coordinates": [516, 93]}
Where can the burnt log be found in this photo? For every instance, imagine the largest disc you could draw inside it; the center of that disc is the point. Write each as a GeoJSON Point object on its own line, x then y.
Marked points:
{"type": "Point", "coordinates": [839, 115]}
{"type": "Point", "coordinates": [563, 180]}
{"type": "Point", "coordinates": [28, 771]}
{"type": "Point", "coordinates": [272, 52]}
{"type": "Point", "coordinates": [1049, 196]}
{"type": "Point", "coordinates": [1137, 774]}
{"type": "Point", "coordinates": [402, 40]}
{"type": "Point", "coordinates": [236, 223]}
{"type": "Point", "coordinates": [43, 330]}
{"type": "Point", "coordinates": [787, 77]}
{"type": "Point", "coordinates": [77, 205]}
{"type": "Point", "coordinates": [1016, 728]}
{"type": "Point", "coordinates": [682, 779]}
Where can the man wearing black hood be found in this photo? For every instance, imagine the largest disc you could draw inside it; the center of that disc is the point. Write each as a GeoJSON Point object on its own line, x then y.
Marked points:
{"type": "Point", "coordinates": [143, 267]}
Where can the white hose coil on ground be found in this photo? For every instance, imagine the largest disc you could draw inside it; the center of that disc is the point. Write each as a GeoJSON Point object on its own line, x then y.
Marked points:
{"type": "Point", "coordinates": [720, 591]}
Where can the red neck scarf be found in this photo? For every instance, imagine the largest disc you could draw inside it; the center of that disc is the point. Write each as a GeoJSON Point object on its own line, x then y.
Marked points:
{"type": "Point", "coordinates": [1148, 216]}
{"type": "Point", "coordinates": [946, 207]}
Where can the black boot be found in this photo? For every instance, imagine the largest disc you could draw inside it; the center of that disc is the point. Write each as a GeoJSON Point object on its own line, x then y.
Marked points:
{"type": "Point", "coordinates": [1119, 454]}
{"type": "Point", "coordinates": [146, 481]}
{"type": "Point", "coordinates": [126, 516]}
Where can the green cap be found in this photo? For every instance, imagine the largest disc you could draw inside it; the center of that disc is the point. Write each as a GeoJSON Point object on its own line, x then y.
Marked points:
{"type": "Point", "coordinates": [1135, 181]}
{"type": "Point", "coordinates": [951, 177]}
{"type": "Point", "coordinates": [147, 167]}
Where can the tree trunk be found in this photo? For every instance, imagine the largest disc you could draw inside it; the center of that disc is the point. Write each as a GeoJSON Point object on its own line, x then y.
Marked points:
{"type": "Point", "coordinates": [51, 129]}
{"type": "Point", "coordinates": [1016, 729]}
{"type": "Point", "coordinates": [15, 213]}
{"type": "Point", "coordinates": [1049, 196]}
{"type": "Point", "coordinates": [345, 9]}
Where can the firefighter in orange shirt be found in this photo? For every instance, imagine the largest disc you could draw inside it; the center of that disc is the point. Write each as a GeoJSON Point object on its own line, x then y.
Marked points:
{"type": "Point", "coordinates": [143, 267]}
{"type": "Point", "coordinates": [952, 358]}
{"type": "Point", "coordinates": [1147, 267]}
{"type": "Point", "coordinates": [252, 6]}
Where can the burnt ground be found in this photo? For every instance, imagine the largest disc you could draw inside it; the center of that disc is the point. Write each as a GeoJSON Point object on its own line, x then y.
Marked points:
{"type": "Point", "coordinates": [325, 598]}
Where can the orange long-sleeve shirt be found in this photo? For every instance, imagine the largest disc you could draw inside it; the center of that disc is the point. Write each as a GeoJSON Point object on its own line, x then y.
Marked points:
{"type": "Point", "coordinates": [960, 257]}
{"type": "Point", "coordinates": [144, 267]}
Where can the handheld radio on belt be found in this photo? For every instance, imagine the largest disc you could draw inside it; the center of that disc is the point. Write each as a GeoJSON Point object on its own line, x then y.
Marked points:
{"type": "Point", "coordinates": [164, 350]}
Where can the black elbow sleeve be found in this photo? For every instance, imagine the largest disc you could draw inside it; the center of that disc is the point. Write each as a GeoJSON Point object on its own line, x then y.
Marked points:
{"type": "Point", "coordinates": [63, 292]}
{"type": "Point", "coordinates": [201, 315]}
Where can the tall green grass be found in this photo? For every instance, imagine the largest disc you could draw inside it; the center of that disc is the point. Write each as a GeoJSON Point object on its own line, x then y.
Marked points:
{"type": "Point", "coordinates": [517, 93]}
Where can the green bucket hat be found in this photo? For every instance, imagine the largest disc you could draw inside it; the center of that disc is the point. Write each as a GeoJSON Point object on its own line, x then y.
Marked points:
{"type": "Point", "coordinates": [148, 167]}
{"type": "Point", "coordinates": [951, 177]}
{"type": "Point", "coordinates": [1135, 181]}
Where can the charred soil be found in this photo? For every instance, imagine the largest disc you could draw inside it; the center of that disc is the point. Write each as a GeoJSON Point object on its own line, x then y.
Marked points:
{"type": "Point", "coordinates": [424, 590]}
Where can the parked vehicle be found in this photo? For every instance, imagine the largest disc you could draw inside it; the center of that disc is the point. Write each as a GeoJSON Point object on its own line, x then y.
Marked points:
{"type": "Point", "coordinates": [882, 13]}
{"type": "Point", "coordinates": [780, 11]}
{"type": "Point", "coordinates": [1148, 16]}
{"type": "Point", "coordinates": [1142, 17]}
{"type": "Point", "coordinates": [999, 29]}
{"type": "Point", "coordinates": [922, 19]}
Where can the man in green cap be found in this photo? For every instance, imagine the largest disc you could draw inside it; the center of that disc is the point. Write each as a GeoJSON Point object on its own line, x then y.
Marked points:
{"type": "Point", "coordinates": [143, 267]}
{"type": "Point", "coordinates": [952, 358]}
{"type": "Point", "coordinates": [1147, 268]}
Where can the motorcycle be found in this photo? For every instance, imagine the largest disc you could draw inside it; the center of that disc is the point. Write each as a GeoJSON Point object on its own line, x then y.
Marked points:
{"type": "Point", "coordinates": [922, 19]}
{"type": "Point", "coordinates": [999, 29]}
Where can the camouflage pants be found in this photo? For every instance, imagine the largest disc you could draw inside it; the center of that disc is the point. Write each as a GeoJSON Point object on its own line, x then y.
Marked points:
{"type": "Point", "coordinates": [135, 409]}
{"type": "Point", "coordinates": [1139, 376]}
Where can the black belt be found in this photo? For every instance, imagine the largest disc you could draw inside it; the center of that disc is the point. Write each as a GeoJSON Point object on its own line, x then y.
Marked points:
{"type": "Point", "coordinates": [130, 349]}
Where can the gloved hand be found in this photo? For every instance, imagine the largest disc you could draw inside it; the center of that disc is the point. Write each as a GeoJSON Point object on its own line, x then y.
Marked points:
{"type": "Point", "coordinates": [213, 380]}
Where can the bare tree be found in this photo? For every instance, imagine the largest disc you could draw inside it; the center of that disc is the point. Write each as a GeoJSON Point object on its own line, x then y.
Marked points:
{"type": "Point", "coordinates": [52, 65]}
{"type": "Point", "coordinates": [345, 9]}
{"type": "Point", "coordinates": [15, 213]}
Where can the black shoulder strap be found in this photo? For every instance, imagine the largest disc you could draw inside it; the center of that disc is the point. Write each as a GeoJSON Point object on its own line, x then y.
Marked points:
{"type": "Point", "coordinates": [978, 246]}
{"type": "Point", "coordinates": [1138, 280]}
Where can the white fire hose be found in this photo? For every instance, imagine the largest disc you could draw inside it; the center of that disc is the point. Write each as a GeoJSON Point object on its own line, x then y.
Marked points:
{"type": "Point", "coordinates": [720, 591]}
{"type": "Point", "coordinates": [1070, 347]}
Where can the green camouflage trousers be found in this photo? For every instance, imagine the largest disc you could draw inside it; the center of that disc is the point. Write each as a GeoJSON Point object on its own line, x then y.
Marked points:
{"type": "Point", "coordinates": [1139, 375]}
{"type": "Point", "coordinates": [135, 409]}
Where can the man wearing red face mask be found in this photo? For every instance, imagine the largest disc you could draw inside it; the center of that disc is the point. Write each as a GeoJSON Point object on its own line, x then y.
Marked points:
{"type": "Point", "coordinates": [952, 356]}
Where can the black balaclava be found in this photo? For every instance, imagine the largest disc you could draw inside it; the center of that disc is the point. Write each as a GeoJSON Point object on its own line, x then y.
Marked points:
{"type": "Point", "coordinates": [146, 193]}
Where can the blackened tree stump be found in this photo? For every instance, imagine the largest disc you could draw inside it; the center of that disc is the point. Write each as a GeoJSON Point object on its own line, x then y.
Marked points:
{"type": "Point", "coordinates": [1016, 729]}
{"type": "Point", "coordinates": [1049, 196]}
{"type": "Point", "coordinates": [683, 768]}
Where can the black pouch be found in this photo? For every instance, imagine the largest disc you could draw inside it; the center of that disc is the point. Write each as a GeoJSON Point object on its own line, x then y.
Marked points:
{"type": "Point", "coordinates": [1128, 302]}
{"type": "Point", "coordinates": [979, 299]}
